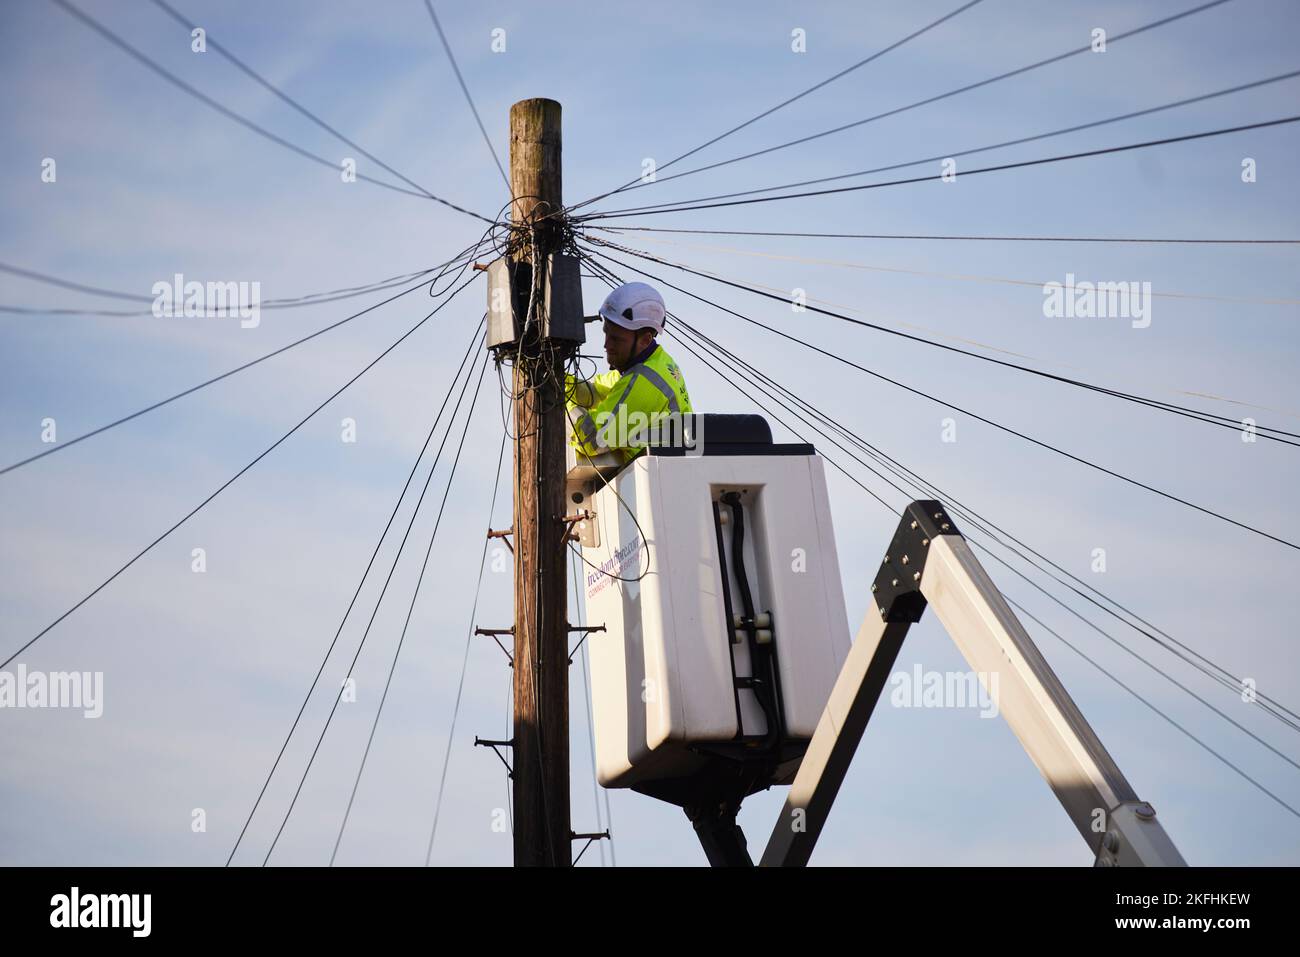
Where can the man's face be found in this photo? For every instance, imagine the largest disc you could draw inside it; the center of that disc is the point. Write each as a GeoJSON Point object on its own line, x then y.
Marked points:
{"type": "Point", "coordinates": [620, 345]}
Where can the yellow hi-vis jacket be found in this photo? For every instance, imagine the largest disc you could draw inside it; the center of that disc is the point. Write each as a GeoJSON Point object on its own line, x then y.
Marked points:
{"type": "Point", "coordinates": [615, 411]}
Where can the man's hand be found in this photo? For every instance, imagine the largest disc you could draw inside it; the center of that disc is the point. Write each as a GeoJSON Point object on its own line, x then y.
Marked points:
{"type": "Point", "coordinates": [580, 392]}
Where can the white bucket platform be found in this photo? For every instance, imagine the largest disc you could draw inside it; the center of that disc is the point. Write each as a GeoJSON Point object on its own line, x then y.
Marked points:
{"type": "Point", "coordinates": [712, 674]}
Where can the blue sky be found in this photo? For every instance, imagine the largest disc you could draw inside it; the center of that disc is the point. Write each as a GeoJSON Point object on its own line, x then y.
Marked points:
{"type": "Point", "coordinates": [204, 673]}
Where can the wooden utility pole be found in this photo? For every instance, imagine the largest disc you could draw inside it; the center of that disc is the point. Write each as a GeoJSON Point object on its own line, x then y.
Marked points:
{"type": "Point", "coordinates": [541, 728]}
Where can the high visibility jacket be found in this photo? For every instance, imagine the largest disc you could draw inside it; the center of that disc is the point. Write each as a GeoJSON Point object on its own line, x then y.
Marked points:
{"type": "Point", "coordinates": [613, 412]}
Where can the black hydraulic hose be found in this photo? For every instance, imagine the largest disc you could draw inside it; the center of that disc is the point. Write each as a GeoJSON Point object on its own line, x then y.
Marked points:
{"type": "Point", "coordinates": [760, 656]}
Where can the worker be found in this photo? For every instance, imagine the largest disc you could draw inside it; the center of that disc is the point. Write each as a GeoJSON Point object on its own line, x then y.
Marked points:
{"type": "Point", "coordinates": [619, 410]}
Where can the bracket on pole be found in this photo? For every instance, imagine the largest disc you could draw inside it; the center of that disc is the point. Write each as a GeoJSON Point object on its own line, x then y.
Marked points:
{"type": "Point", "coordinates": [930, 563]}
{"type": "Point", "coordinates": [586, 630]}
{"type": "Point", "coordinates": [485, 743]}
{"type": "Point", "coordinates": [598, 836]}
{"type": "Point", "coordinates": [493, 633]}
{"type": "Point", "coordinates": [581, 519]}
{"type": "Point", "coordinates": [503, 534]}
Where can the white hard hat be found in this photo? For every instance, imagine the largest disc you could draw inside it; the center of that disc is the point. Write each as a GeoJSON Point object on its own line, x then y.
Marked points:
{"type": "Point", "coordinates": [634, 305]}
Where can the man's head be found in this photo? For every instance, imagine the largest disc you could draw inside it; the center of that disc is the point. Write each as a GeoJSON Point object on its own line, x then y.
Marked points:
{"type": "Point", "coordinates": [622, 345]}
{"type": "Point", "coordinates": [634, 315]}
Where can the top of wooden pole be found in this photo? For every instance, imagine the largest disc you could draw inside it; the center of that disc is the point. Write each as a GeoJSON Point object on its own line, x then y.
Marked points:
{"type": "Point", "coordinates": [535, 159]}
